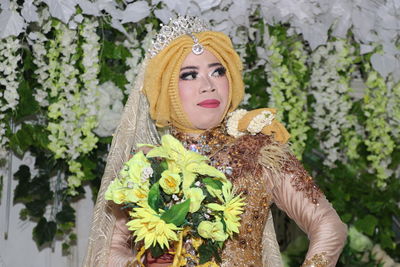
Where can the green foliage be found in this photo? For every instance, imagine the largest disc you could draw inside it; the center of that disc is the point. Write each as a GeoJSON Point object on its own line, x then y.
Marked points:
{"type": "Point", "coordinates": [177, 213]}
{"type": "Point", "coordinates": [44, 232]}
{"type": "Point", "coordinates": [215, 184]}
{"type": "Point", "coordinates": [154, 198]}
{"type": "Point", "coordinates": [29, 135]}
{"type": "Point", "coordinates": [209, 250]}
{"type": "Point", "coordinates": [156, 251]}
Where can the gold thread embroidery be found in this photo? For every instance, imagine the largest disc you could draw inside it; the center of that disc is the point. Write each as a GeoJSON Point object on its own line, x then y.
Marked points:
{"type": "Point", "coordinates": [318, 260]}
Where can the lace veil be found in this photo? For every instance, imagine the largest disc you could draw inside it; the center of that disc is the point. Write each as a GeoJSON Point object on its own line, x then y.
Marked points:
{"type": "Point", "coordinates": [137, 127]}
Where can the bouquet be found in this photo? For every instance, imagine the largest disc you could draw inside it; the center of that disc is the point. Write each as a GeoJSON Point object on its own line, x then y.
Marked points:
{"type": "Point", "coordinates": [177, 203]}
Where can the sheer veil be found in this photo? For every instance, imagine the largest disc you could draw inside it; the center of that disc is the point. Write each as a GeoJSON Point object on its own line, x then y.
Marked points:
{"type": "Point", "coordinates": [137, 127]}
{"type": "Point", "coordinates": [134, 127]}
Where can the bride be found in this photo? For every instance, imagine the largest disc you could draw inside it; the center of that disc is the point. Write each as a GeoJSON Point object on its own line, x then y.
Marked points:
{"type": "Point", "coordinates": [190, 86]}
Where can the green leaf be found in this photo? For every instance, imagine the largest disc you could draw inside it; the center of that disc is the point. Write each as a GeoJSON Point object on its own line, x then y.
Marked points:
{"type": "Point", "coordinates": [27, 104]}
{"type": "Point", "coordinates": [177, 213]}
{"type": "Point", "coordinates": [158, 168]}
{"type": "Point", "coordinates": [36, 208]}
{"type": "Point", "coordinates": [346, 217]}
{"type": "Point", "coordinates": [154, 197]}
{"type": "Point", "coordinates": [367, 224]}
{"type": "Point", "coordinates": [206, 253]}
{"type": "Point", "coordinates": [44, 231]}
{"type": "Point", "coordinates": [23, 175]}
{"type": "Point", "coordinates": [67, 214]}
{"type": "Point", "coordinates": [21, 140]}
{"type": "Point", "coordinates": [88, 167]}
{"type": "Point", "coordinates": [28, 135]}
{"type": "Point", "coordinates": [208, 250]}
{"type": "Point", "coordinates": [386, 240]}
{"type": "Point", "coordinates": [156, 251]}
{"type": "Point", "coordinates": [213, 183]}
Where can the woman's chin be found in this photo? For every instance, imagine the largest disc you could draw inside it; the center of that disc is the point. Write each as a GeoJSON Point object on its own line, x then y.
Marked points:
{"type": "Point", "coordinates": [206, 125]}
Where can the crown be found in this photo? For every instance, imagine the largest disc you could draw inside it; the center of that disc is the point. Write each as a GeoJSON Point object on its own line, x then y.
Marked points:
{"type": "Point", "coordinates": [182, 25]}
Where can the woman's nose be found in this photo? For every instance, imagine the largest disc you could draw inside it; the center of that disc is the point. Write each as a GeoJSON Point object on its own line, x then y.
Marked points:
{"type": "Point", "coordinates": [207, 85]}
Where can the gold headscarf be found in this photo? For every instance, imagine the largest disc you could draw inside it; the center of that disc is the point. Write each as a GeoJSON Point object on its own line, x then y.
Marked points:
{"type": "Point", "coordinates": [162, 76]}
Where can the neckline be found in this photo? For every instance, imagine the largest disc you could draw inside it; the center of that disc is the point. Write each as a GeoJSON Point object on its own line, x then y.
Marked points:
{"type": "Point", "coordinates": [207, 143]}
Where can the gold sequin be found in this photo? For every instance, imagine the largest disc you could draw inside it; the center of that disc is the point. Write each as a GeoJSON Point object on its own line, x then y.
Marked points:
{"type": "Point", "coordinates": [318, 260]}
{"type": "Point", "coordinates": [238, 158]}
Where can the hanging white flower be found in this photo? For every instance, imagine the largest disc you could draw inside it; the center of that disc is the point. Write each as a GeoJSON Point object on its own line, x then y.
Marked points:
{"type": "Point", "coordinates": [331, 90]}
{"type": "Point", "coordinates": [109, 108]}
{"type": "Point", "coordinates": [9, 58]}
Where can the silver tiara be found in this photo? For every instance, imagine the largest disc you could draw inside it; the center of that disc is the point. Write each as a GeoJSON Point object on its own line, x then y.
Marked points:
{"type": "Point", "coordinates": [182, 25]}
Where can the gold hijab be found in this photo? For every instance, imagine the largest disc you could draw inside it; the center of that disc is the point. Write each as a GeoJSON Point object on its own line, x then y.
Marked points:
{"type": "Point", "coordinates": [162, 75]}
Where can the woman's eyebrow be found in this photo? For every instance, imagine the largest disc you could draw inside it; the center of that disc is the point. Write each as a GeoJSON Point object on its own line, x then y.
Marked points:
{"type": "Point", "coordinates": [214, 64]}
{"type": "Point", "coordinates": [189, 67]}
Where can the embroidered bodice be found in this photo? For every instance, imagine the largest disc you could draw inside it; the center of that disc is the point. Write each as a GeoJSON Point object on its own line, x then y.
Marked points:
{"type": "Point", "coordinates": [265, 171]}
{"type": "Point", "coordinates": [256, 165]}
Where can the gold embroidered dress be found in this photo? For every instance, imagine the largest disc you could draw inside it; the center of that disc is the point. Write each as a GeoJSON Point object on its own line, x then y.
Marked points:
{"type": "Point", "coordinates": [265, 171]}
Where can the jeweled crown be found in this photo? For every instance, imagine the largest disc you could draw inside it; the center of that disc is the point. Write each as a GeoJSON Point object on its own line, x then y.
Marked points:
{"type": "Point", "coordinates": [182, 25]}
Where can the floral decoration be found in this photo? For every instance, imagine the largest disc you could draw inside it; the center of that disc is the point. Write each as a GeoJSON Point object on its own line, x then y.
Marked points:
{"type": "Point", "coordinates": [177, 200]}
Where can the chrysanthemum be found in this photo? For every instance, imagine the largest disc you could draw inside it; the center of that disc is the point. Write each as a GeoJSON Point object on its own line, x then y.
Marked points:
{"type": "Point", "coordinates": [189, 163]}
{"type": "Point", "coordinates": [232, 208]}
{"type": "Point", "coordinates": [148, 226]}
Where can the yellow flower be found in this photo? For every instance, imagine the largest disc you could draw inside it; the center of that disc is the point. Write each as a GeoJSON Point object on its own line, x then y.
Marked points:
{"type": "Point", "coordinates": [232, 208]}
{"type": "Point", "coordinates": [170, 182]}
{"type": "Point", "coordinates": [188, 162]}
{"type": "Point", "coordinates": [148, 226]}
{"type": "Point", "coordinates": [137, 194]}
{"type": "Point", "coordinates": [121, 191]}
{"type": "Point", "coordinates": [133, 168]}
{"type": "Point", "coordinates": [116, 192]}
{"type": "Point", "coordinates": [212, 230]}
{"type": "Point", "coordinates": [196, 242]}
{"type": "Point", "coordinates": [196, 197]}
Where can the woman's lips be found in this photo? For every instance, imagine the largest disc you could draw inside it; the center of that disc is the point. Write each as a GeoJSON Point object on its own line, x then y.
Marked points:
{"type": "Point", "coordinates": [209, 103]}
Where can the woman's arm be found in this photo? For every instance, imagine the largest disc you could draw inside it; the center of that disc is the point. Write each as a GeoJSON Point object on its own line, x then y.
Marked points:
{"type": "Point", "coordinates": [294, 193]}
{"type": "Point", "coordinates": [121, 251]}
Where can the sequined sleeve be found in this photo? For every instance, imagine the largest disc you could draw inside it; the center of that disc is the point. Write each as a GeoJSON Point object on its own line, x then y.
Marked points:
{"type": "Point", "coordinates": [120, 253]}
{"type": "Point", "coordinates": [297, 195]}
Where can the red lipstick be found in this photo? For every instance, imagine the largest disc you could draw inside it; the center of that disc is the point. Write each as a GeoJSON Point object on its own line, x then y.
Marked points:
{"type": "Point", "coordinates": [209, 103]}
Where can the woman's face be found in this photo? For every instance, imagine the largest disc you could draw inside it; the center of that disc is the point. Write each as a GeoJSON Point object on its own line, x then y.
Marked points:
{"type": "Point", "coordinates": [203, 89]}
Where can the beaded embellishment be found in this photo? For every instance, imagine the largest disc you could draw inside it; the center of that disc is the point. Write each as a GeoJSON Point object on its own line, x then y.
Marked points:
{"type": "Point", "coordinates": [318, 260]}
{"type": "Point", "coordinates": [177, 27]}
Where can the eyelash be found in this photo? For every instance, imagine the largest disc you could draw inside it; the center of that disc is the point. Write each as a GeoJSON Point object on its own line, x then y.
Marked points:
{"type": "Point", "coordinates": [219, 72]}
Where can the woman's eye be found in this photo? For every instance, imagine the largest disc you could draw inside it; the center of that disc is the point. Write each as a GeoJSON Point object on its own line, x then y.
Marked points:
{"type": "Point", "coordinates": [219, 72]}
{"type": "Point", "coordinates": [187, 76]}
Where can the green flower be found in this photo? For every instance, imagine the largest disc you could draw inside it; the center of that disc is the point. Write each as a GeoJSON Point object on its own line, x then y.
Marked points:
{"type": "Point", "coordinates": [212, 230]}
{"type": "Point", "coordinates": [196, 197]}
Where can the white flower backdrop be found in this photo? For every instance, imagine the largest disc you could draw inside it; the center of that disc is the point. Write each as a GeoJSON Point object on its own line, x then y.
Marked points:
{"type": "Point", "coordinates": [331, 67]}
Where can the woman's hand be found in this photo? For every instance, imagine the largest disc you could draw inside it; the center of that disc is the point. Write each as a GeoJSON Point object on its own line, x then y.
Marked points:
{"type": "Point", "coordinates": [162, 261]}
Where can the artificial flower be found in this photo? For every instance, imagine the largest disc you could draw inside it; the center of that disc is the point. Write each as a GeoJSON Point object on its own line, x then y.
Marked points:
{"type": "Point", "coordinates": [212, 230]}
{"type": "Point", "coordinates": [188, 162]}
{"type": "Point", "coordinates": [116, 192]}
{"type": "Point", "coordinates": [148, 226]}
{"type": "Point", "coordinates": [196, 196]}
{"type": "Point", "coordinates": [170, 182]}
{"type": "Point", "coordinates": [232, 208]}
{"type": "Point", "coordinates": [196, 242]}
